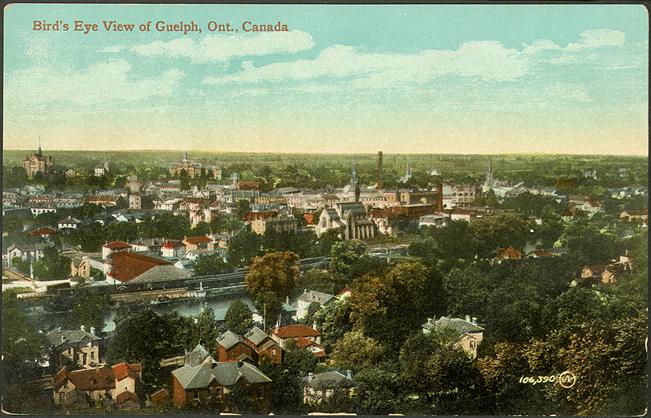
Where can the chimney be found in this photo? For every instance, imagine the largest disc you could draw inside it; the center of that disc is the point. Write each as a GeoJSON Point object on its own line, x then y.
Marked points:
{"type": "Point", "coordinates": [92, 330]}
{"type": "Point", "coordinates": [64, 338]}
{"type": "Point", "coordinates": [310, 376]}
{"type": "Point", "coordinates": [83, 327]}
{"type": "Point", "coordinates": [349, 376]}
{"type": "Point", "coordinates": [467, 318]}
{"type": "Point", "coordinates": [287, 300]}
{"type": "Point", "coordinates": [430, 321]}
{"type": "Point", "coordinates": [380, 176]}
{"type": "Point", "coordinates": [474, 320]}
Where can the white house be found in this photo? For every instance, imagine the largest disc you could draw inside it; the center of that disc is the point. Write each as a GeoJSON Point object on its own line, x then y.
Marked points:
{"type": "Point", "coordinates": [307, 298]}
{"type": "Point", "coordinates": [68, 223]}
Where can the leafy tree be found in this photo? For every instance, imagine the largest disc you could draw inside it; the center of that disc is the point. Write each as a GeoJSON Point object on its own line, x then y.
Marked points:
{"type": "Point", "coordinates": [239, 317]}
{"type": "Point", "coordinates": [346, 257]}
{"type": "Point", "coordinates": [21, 342]}
{"type": "Point", "coordinates": [243, 207]}
{"type": "Point", "coordinates": [299, 361]}
{"type": "Point", "coordinates": [211, 264]}
{"type": "Point", "coordinates": [20, 265]}
{"type": "Point", "coordinates": [243, 247]}
{"type": "Point", "coordinates": [270, 280]}
{"type": "Point", "coordinates": [333, 321]}
{"type": "Point", "coordinates": [357, 352]}
{"type": "Point", "coordinates": [89, 309]}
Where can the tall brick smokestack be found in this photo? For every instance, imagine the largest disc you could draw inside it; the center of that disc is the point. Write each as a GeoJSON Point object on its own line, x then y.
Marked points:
{"type": "Point", "coordinates": [380, 177]}
{"type": "Point", "coordinates": [439, 198]}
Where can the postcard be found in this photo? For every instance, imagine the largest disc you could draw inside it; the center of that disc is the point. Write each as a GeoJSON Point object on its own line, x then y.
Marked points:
{"type": "Point", "coordinates": [313, 209]}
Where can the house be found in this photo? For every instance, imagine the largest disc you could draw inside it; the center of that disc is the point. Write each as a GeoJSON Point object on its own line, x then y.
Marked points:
{"type": "Point", "coordinates": [267, 349]}
{"type": "Point", "coordinates": [203, 381]}
{"type": "Point", "coordinates": [37, 163]}
{"type": "Point", "coordinates": [350, 218]}
{"type": "Point", "coordinates": [85, 387]}
{"type": "Point", "coordinates": [232, 347]}
{"type": "Point", "coordinates": [464, 334]}
{"type": "Point", "coordinates": [69, 222]}
{"type": "Point", "coordinates": [280, 224]}
{"type": "Point", "coordinates": [80, 267]}
{"type": "Point", "coordinates": [313, 347]}
{"type": "Point", "coordinates": [128, 267]}
{"type": "Point", "coordinates": [173, 249]}
{"type": "Point", "coordinates": [436, 220]}
{"type": "Point", "coordinates": [43, 232]}
{"type": "Point", "coordinates": [307, 298]}
{"type": "Point", "coordinates": [70, 173]}
{"type": "Point", "coordinates": [635, 215]}
{"type": "Point", "coordinates": [114, 247]}
{"type": "Point", "coordinates": [508, 253]}
{"type": "Point", "coordinates": [199, 242]}
{"type": "Point", "coordinates": [592, 207]}
{"type": "Point", "coordinates": [41, 209]}
{"type": "Point", "coordinates": [26, 251]}
{"type": "Point", "coordinates": [76, 346]}
{"type": "Point", "coordinates": [320, 387]}
{"type": "Point", "coordinates": [294, 332]}
{"type": "Point", "coordinates": [102, 200]}
{"type": "Point", "coordinates": [602, 273]}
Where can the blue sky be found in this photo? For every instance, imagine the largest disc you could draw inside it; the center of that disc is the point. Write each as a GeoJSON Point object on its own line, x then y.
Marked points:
{"type": "Point", "coordinates": [430, 79]}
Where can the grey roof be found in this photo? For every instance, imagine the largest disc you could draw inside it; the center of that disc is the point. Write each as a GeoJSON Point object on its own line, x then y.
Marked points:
{"type": "Point", "coordinates": [332, 213]}
{"type": "Point", "coordinates": [256, 335]}
{"type": "Point", "coordinates": [229, 339]}
{"type": "Point", "coordinates": [356, 208]}
{"type": "Point", "coordinates": [314, 296]}
{"type": "Point", "coordinates": [194, 377]}
{"type": "Point", "coordinates": [28, 247]}
{"type": "Point", "coordinates": [224, 373]}
{"type": "Point", "coordinates": [252, 374]}
{"type": "Point", "coordinates": [329, 379]}
{"type": "Point", "coordinates": [197, 356]}
{"type": "Point", "coordinates": [75, 336]}
{"type": "Point", "coordinates": [459, 325]}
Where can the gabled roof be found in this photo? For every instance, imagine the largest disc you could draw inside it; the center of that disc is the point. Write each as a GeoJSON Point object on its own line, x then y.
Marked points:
{"type": "Point", "coordinates": [329, 380]}
{"type": "Point", "coordinates": [201, 239]}
{"type": "Point", "coordinates": [295, 331]}
{"type": "Point", "coordinates": [69, 220]}
{"type": "Point", "coordinates": [100, 378]}
{"type": "Point", "coordinates": [172, 244]}
{"type": "Point", "coordinates": [229, 339]}
{"type": "Point", "coordinates": [125, 396]}
{"type": "Point", "coordinates": [117, 245]}
{"type": "Point", "coordinates": [256, 335]}
{"type": "Point", "coordinates": [123, 370]}
{"type": "Point", "coordinates": [197, 356]}
{"type": "Point", "coordinates": [224, 373]}
{"type": "Point", "coordinates": [57, 338]}
{"type": "Point", "coordinates": [44, 230]}
{"type": "Point", "coordinates": [509, 253]}
{"type": "Point", "coordinates": [459, 325]}
{"type": "Point", "coordinates": [315, 296]}
{"type": "Point", "coordinates": [127, 266]}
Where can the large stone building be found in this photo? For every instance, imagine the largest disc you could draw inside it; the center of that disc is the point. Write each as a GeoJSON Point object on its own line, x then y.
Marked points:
{"type": "Point", "coordinates": [349, 218]}
{"type": "Point", "coordinates": [37, 162]}
{"type": "Point", "coordinates": [135, 201]}
{"type": "Point", "coordinates": [193, 169]}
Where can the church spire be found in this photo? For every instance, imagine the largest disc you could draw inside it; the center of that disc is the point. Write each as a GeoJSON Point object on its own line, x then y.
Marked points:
{"type": "Point", "coordinates": [39, 145]}
{"type": "Point", "coordinates": [354, 182]}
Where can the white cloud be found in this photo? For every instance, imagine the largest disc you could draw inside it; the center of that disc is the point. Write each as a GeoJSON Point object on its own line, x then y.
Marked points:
{"type": "Point", "coordinates": [597, 38]}
{"type": "Point", "coordinates": [488, 60]}
{"type": "Point", "coordinates": [102, 83]}
{"type": "Point", "coordinates": [540, 45]}
{"type": "Point", "coordinates": [112, 49]}
{"type": "Point", "coordinates": [220, 48]}
{"type": "Point", "coordinates": [564, 59]}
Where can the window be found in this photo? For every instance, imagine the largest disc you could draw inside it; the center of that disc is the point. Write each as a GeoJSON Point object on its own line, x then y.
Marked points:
{"type": "Point", "coordinates": [92, 355]}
